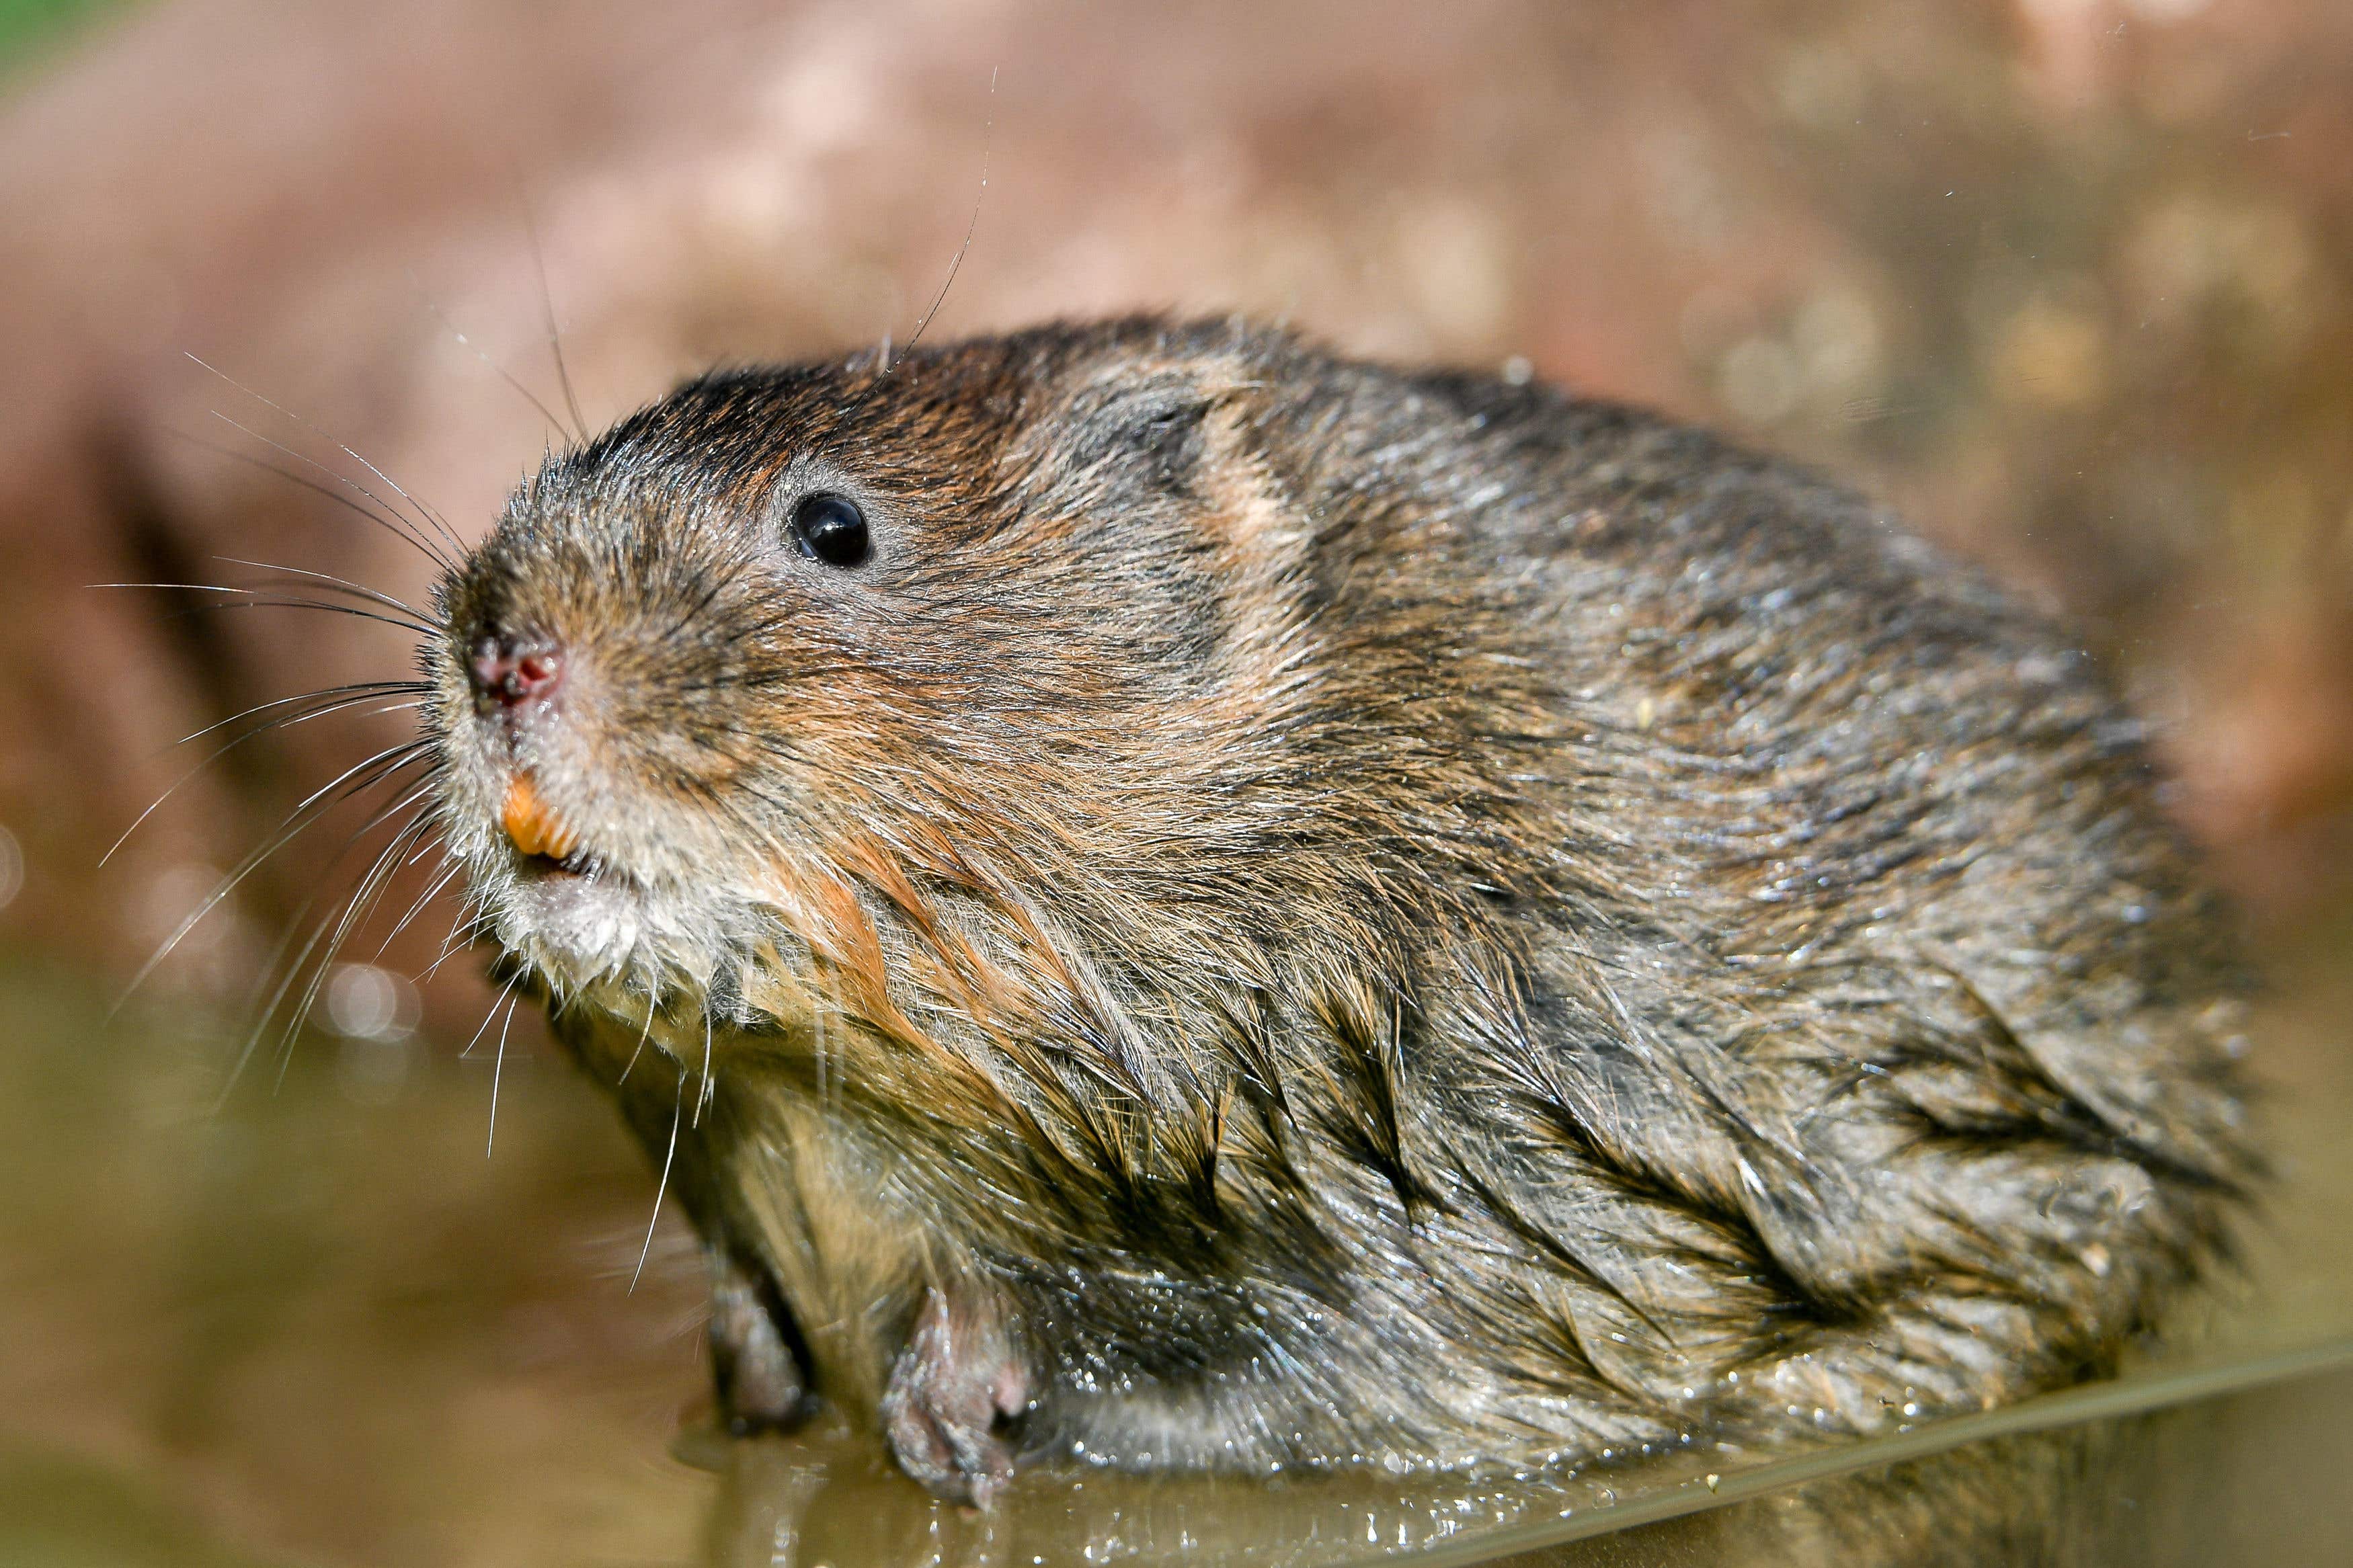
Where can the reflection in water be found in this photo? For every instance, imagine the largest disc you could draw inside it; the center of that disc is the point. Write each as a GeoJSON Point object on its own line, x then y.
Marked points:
{"type": "Point", "coordinates": [829, 1498]}
{"type": "Point", "coordinates": [321, 1326]}
{"type": "Point", "coordinates": [2179, 1467]}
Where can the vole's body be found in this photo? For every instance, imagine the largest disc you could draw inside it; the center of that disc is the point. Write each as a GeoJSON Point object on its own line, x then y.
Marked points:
{"type": "Point", "coordinates": [1294, 913]}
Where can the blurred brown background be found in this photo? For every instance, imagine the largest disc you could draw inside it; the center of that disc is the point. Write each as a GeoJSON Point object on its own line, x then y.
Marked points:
{"type": "Point", "coordinates": [2068, 281]}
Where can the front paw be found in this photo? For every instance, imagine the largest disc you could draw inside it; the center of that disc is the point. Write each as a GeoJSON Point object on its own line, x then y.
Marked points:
{"type": "Point", "coordinates": [948, 1389]}
{"type": "Point", "coordinates": [758, 1375]}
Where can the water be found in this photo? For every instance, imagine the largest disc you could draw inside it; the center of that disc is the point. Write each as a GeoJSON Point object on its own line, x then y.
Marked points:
{"type": "Point", "coordinates": [320, 1325]}
{"type": "Point", "coordinates": [2235, 1461]}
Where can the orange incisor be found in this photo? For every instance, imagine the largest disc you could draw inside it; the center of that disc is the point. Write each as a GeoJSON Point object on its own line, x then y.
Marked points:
{"type": "Point", "coordinates": [535, 829]}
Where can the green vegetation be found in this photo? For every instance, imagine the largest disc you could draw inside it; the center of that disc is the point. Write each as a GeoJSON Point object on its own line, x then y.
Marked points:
{"type": "Point", "coordinates": [31, 28]}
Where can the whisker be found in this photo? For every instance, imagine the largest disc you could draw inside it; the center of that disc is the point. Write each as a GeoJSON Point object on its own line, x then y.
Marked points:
{"type": "Point", "coordinates": [421, 510]}
{"type": "Point", "coordinates": [253, 599]}
{"type": "Point", "coordinates": [987, 136]}
{"type": "Point", "coordinates": [385, 763]}
{"type": "Point", "coordinates": [498, 1067]}
{"type": "Point", "coordinates": [287, 721]}
{"type": "Point", "coordinates": [340, 704]}
{"type": "Point", "coordinates": [387, 860]}
{"type": "Point", "coordinates": [391, 518]}
{"type": "Point", "coordinates": [341, 585]}
{"type": "Point", "coordinates": [423, 900]}
{"type": "Point", "coordinates": [678, 1109]}
{"type": "Point", "coordinates": [643, 1035]}
{"type": "Point", "coordinates": [390, 523]}
{"type": "Point", "coordinates": [461, 937]}
{"type": "Point", "coordinates": [348, 694]}
{"type": "Point", "coordinates": [476, 350]}
{"type": "Point", "coordinates": [288, 971]}
{"type": "Point", "coordinates": [472, 919]}
{"type": "Point", "coordinates": [508, 989]}
{"type": "Point", "coordinates": [361, 902]}
{"type": "Point", "coordinates": [547, 307]}
{"type": "Point", "coordinates": [702, 1089]}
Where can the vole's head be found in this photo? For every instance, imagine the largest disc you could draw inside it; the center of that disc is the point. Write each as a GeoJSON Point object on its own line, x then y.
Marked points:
{"type": "Point", "coordinates": [792, 629]}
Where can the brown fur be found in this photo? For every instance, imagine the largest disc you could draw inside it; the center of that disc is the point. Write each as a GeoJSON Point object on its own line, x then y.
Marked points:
{"type": "Point", "coordinates": [1301, 913]}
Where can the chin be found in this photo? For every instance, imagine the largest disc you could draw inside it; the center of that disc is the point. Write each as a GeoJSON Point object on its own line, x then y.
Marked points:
{"type": "Point", "coordinates": [578, 929]}
{"type": "Point", "coordinates": [590, 930]}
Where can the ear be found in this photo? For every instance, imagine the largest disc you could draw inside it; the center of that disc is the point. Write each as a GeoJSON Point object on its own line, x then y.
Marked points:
{"type": "Point", "coordinates": [1173, 442]}
{"type": "Point", "coordinates": [1134, 439]}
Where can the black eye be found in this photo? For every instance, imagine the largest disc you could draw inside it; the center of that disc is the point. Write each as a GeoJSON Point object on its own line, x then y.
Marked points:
{"type": "Point", "coordinates": [831, 529]}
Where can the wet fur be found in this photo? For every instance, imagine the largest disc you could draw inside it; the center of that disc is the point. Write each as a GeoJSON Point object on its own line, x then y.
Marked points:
{"type": "Point", "coordinates": [1327, 914]}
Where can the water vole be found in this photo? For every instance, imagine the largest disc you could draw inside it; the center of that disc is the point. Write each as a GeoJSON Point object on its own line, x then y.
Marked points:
{"type": "Point", "coordinates": [1166, 898]}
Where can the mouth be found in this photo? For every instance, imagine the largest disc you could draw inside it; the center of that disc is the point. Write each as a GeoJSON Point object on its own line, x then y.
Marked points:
{"type": "Point", "coordinates": [548, 866]}
{"type": "Point", "coordinates": [561, 901]}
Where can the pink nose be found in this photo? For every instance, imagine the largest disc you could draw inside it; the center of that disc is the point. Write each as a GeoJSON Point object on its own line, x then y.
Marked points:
{"type": "Point", "coordinates": [511, 671]}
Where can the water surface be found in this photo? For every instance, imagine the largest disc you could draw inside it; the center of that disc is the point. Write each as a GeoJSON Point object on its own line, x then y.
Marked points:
{"type": "Point", "coordinates": [330, 1320]}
